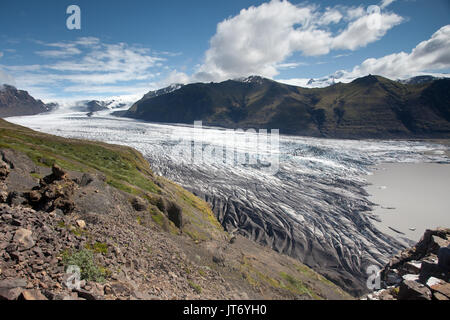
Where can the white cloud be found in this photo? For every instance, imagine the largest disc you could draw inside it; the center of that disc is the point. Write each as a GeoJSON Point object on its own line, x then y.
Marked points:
{"type": "Point", "coordinates": [91, 65]}
{"type": "Point", "coordinates": [174, 77]}
{"type": "Point", "coordinates": [366, 29]}
{"type": "Point", "coordinates": [428, 56]}
{"type": "Point", "coordinates": [385, 3]}
{"type": "Point", "coordinates": [261, 38]}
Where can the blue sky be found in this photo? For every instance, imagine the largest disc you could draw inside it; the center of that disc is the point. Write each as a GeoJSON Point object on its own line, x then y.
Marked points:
{"type": "Point", "coordinates": [130, 47]}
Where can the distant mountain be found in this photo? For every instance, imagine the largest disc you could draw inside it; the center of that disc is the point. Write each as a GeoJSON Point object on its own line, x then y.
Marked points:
{"type": "Point", "coordinates": [368, 107]}
{"type": "Point", "coordinates": [15, 102]}
{"type": "Point", "coordinates": [419, 80]}
{"type": "Point", "coordinates": [160, 92]}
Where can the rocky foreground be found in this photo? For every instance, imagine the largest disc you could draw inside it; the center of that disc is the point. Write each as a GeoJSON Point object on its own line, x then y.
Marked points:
{"type": "Point", "coordinates": [67, 202]}
{"type": "Point", "coordinates": [418, 273]}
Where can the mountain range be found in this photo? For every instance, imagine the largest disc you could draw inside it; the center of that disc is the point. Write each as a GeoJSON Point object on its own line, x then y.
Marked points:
{"type": "Point", "coordinates": [368, 107]}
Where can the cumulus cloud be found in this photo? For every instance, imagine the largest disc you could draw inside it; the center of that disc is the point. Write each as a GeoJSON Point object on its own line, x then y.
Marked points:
{"type": "Point", "coordinates": [366, 29]}
{"type": "Point", "coordinates": [428, 56]}
{"type": "Point", "coordinates": [260, 38]}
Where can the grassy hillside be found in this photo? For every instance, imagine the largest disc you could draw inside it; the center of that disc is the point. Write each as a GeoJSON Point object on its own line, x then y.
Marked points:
{"type": "Point", "coordinates": [369, 107]}
{"type": "Point", "coordinates": [123, 167]}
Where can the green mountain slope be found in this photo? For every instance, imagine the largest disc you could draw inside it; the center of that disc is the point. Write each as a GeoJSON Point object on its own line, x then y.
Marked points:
{"type": "Point", "coordinates": [368, 107]}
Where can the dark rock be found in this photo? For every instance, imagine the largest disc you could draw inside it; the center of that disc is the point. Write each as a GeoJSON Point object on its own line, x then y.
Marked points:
{"type": "Point", "coordinates": [119, 288]}
{"type": "Point", "coordinates": [430, 269]}
{"type": "Point", "coordinates": [58, 172]}
{"type": "Point", "coordinates": [139, 204]}
{"type": "Point", "coordinates": [4, 170]}
{"type": "Point", "coordinates": [13, 283]}
{"type": "Point", "coordinates": [444, 258]}
{"type": "Point", "coordinates": [15, 198]}
{"type": "Point", "coordinates": [86, 179]}
{"type": "Point", "coordinates": [161, 203]}
{"type": "Point", "coordinates": [175, 214]}
{"type": "Point", "coordinates": [66, 205]}
{"type": "Point", "coordinates": [86, 294]}
{"type": "Point", "coordinates": [34, 196]}
{"type": "Point", "coordinates": [10, 294]}
{"type": "Point", "coordinates": [218, 258]}
{"type": "Point", "coordinates": [413, 290]}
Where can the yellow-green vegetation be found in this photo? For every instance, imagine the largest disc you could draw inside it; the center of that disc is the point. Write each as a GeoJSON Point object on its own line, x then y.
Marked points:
{"type": "Point", "coordinates": [297, 286]}
{"type": "Point", "coordinates": [315, 276]}
{"type": "Point", "coordinates": [283, 280]}
{"type": "Point", "coordinates": [84, 259]}
{"type": "Point", "coordinates": [36, 175]}
{"type": "Point", "coordinates": [98, 247]}
{"type": "Point", "coordinates": [124, 168]}
{"type": "Point", "coordinates": [195, 287]}
{"type": "Point", "coordinates": [200, 223]}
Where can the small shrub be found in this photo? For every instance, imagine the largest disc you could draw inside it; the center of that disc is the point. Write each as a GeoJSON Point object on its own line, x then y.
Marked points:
{"type": "Point", "coordinates": [84, 259]}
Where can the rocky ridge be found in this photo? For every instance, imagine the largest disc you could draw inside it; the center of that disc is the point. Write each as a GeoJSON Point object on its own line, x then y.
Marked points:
{"type": "Point", "coordinates": [418, 273]}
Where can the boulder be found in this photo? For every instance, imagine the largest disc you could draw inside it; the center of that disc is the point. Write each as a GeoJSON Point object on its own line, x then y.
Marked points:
{"type": "Point", "coordinates": [3, 196]}
{"type": "Point", "coordinates": [15, 198]}
{"type": "Point", "coordinates": [444, 258]}
{"type": "Point", "coordinates": [34, 196]}
{"type": "Point", "coordinates": [10, 294]}
{"type": "Point", "coordinates": [442, 288]}
{"type": "Point", "coordinates": [23, 237]}
{"type": "Point", "coordinates": [413, 290]}
{"type": "Point", "coordinates": [175, 214]}
{"type": "Point", "coordinates": [439, 296]}
{"type": "Point", "coordinates": [139, 204]}
{"type": "Point", "coordinates": [438, 243]}
{"type": "Point", "coordinates": [431, 269]}
{"type": "Point", "coordinates": [86, 179]}
{"type": "Point", "coordinates": [58, 172]}
{"type": "Point", "coordinates": [392, 277]}
{"type": "Point", "coordinates": [81, 224]}
{"type": "Point", "coordinates": [32, 294]}
{"type": "Point", "coordinates": [13, 283]}
{"type": "Point", "coordinates": [4, 170]}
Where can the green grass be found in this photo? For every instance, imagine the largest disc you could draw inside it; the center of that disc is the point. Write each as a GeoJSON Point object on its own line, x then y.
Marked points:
{"type": "Point", "coordinates": [195, 287]}
{"type": "Point", "coordinates": [297, 286]}
{"type": "Point", "coordinates": [124, 167]}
